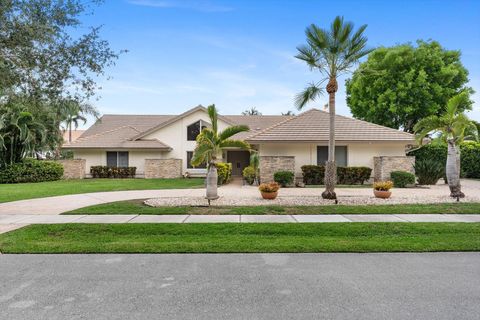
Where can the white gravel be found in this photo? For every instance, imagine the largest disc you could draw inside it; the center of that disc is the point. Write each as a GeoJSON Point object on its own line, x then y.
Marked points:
{"type": "Point", "coordinates": [236, 195]}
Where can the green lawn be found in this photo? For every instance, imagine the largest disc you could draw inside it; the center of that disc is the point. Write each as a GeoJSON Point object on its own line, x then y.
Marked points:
{"type": "Point", "coordinates": [137, 207]}
{"type": "Point", "coordinates": [12, 192]}
{"type": "Point", "coordinates": [216, 238]}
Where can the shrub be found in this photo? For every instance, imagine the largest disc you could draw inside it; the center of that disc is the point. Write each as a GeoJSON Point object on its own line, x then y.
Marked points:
{"type": "Point", "coordinates": [383, 185]}
{"type": "Point", "coordinates": [345, 175]}
{"type": "Point", "coordinates": [284, 178]}
{"type": "Point", "coordinates": [30, 170]}
{"type": "Point", "coordinates": [353, 175]}
{"type": "Point", "coordinates": [313, 174]}
{"type": "Point", "coordinates": [112, 172]}
{"type": "Point", "coordinates": [269, 187]}
{"type": "Point", "coordinates": [402, 178]}
{"type": "Point", "coordinates": [249, 174]}
{"type": "Point", "coordinates": [224, 171]}
{"type": "Point", "coordinates": [469, 155]}
{"type": "Point", "coordinates": [429, 171]}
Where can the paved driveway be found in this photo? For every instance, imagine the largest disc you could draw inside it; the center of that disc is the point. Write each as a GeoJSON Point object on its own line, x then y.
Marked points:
{"type": "Point", "coordinates": [241, 286]}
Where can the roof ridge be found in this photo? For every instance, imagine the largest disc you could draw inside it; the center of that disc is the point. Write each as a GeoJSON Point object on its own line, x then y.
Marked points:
{"type": "Point", "coordinates": [277, 124]}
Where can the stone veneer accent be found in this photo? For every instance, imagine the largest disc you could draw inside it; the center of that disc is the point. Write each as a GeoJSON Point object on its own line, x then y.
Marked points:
{"type": "Point", "coordinates": [73, 168]}
{"type": "Point", "coordinates": [271, 164]}
{"type": "Point", "coordinates": [163, 168]}
{"type": "Point", "coordinates": [384, 165]}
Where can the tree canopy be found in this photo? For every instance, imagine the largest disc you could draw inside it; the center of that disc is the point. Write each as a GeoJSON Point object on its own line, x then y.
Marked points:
{"type": "Point", "coordinates": [398, 86]}
{"type": "Point", "coordinates": [48, 60]}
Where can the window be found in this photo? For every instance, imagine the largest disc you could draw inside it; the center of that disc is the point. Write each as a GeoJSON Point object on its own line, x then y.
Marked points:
{"type": "Point", "coordinates": [340, 155]}
{"type": "Point", "coordinates": [194, 129]}
{"type": "Point", "coordinates": [117, 159]}
{"type": "Point", "coordinates": [189, 159]}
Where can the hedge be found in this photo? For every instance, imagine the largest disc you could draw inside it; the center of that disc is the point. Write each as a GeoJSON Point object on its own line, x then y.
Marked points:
{"type": "Point", "coordinates": [30, 170]}
{"type": "Point", "coordinates": [469, 156]}
{"type": "Point", "coordinates": [112, 172]}
{"type": "Point", "coordinates": [345, 175]}
{"type": "Point", "coordinates": [401, 179]}
{"type": "Point", "coordinates": [224, 171]}
{"type": "Point", "coordinates": [284, 178]}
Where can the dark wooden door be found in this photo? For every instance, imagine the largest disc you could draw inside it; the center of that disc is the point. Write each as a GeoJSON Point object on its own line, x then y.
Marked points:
{"type": "Point", "coordinates": [239, 160]}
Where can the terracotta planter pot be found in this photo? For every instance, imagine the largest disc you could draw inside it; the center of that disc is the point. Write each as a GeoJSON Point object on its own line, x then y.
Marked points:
{"type": "Point", "coordinates": [269, 195]}
{"type": "Point", "coordinates": [382, 194]}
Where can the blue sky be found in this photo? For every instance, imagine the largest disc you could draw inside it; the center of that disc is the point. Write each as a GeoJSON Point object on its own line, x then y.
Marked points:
{"type": "Point", "coordinates": [239, 54]}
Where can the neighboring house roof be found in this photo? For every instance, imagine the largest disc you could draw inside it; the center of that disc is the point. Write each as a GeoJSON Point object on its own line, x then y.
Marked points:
{"type": "Point", "coordinates": [75, 134]}
{"type": "Point", "coordinates": [313, 125]}
{"type": "Point", "coordinates": [127, 131]}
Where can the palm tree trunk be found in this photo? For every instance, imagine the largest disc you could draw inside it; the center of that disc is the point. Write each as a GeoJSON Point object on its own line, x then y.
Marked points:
{"type": "Point", "coordinates": [453, 170]}
{"type": "Point", "coordinates": [212, 183]}
{"type": "Point", "coordinates": [330, 167]}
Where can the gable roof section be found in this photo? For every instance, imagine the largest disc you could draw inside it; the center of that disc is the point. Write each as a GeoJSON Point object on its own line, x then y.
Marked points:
{"type": "Point", "coordinates": [116, 138]}
{"type": "Point", "coordinates": [175, 119]}
{"type": "Point", "coordinates": [255, 123]}
{"type": "Point", "coordinates": [313, 125]}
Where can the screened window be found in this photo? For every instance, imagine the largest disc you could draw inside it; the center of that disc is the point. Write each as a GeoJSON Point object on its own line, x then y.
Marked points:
{"type": "Point", "coordinates": [117, 158]}
{"type": "Point", "coordinates": [340, 155]}
{"type": "Point", "coordinates": [189, 160]}
{"type": "Point", "coordinates": [194, 129]}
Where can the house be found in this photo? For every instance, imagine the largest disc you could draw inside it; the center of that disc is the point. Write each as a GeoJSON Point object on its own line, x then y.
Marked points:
{"type": "Point", "coordinates": [161, 146]}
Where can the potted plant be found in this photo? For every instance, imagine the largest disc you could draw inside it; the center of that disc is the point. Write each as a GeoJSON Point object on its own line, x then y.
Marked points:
{"type": "Point", "coordinates": [381, 189]}
{"type": "Point", "coordinates": [269, 190]}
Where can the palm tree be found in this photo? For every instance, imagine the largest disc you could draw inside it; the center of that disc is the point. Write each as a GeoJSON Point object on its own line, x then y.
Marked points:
{"type": "Point", "coordinates": [453, 126]}
{"type": "Point", "coordinates": [72, 115]}
{"type": "Point", "coordinates": [20, 134]}
{"type": "Point", "coordinates": [210, 146]}
{"type": "Point", "coordinates": [251, 112]}
{"type": "Point", "coordinates": [332, 52]}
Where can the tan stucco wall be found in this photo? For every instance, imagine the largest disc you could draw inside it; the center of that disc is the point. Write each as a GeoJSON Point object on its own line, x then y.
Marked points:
{"type": "Point", "coordinates": [358, 153]}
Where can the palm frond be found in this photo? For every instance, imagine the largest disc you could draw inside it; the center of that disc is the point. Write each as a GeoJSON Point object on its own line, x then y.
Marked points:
{"type": "Point", "coordinates": [426, 126]}
{"type": "Point", "coordinates": [231, 131]}
{"type": "Point", "coordinates": [213, 115]}
{"type": "Point", "coordinates": [311, 93]}
{"type": "Point", "coordinates": [234, 144]}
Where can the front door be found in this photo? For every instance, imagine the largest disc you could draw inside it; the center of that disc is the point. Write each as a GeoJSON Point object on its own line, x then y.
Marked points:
{"type": "Point", "coordinates": [239, 160]}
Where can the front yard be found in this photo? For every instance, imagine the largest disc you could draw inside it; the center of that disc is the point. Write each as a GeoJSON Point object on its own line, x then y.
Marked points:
{"type": "Point", "coordinates": [137, 207]}
{"type": "Point", "coordinates": [21, 191]}
{"type": "Point", "coordinates": [248, 238]}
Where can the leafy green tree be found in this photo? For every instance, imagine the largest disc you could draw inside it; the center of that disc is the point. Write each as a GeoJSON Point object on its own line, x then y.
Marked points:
{"type": "Point", "coordinates": [48, 60]}
{"type": "Point", "coordinates": [398, 86]}
{"type": "Point", "coordinates": [453, 126]}
{"type": "Point", "coordinates": [331, 52]}
{"type": "Point", "coordinates": [210, 144]}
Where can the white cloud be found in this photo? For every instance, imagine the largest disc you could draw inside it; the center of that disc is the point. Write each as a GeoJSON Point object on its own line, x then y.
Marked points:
{"type": "Point", "coordinates": [196, 5]}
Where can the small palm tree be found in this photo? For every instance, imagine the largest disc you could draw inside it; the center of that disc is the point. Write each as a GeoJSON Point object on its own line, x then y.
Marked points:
{"type": "Point", "coordinates": [210, 146]}
{"type": "Point", "coordinates": [331, 52]}
{"type": "Point", "coordinates": [72, 115]}
{"type": "Point", "coordinates": [453, 126]}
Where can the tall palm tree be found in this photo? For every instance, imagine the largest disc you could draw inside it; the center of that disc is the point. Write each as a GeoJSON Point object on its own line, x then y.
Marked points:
{"type": "Point", "coordinates": [210, 146]}
{"type": "Point", "coordinates": [332, 52]}
{"type": "Point", "coordinates": [72, 115]}
{"type": "Point", "coordinates": [453, 126]}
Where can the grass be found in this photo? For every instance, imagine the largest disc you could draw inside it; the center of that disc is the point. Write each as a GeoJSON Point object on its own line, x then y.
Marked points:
{"type": "Point", "coordinates": [137, 207]}
{"type": "Point", "coordinates": [223, 238]}
{"type": "Point", "coordinates": [12, 192]}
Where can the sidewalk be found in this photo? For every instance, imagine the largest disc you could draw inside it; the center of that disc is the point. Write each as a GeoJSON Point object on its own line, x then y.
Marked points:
{"type": "Point", "coordinates": [12, 222]}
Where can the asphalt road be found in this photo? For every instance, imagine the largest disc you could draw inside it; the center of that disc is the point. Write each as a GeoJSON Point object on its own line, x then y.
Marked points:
{"type": "Point", "coordinates": [241, 286]}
